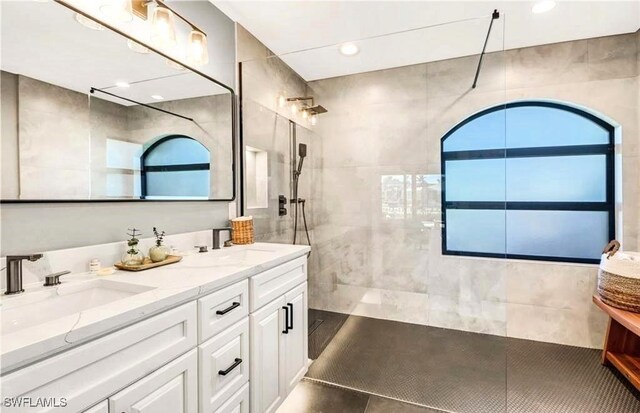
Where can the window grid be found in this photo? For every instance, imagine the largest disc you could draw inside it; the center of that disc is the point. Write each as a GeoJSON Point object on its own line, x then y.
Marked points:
{"type": "Point", "coordinates": [536, 152]}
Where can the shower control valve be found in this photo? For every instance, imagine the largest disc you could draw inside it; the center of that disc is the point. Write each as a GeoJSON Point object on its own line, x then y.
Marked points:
{"type": "Point", "coordinates": [282, 202]}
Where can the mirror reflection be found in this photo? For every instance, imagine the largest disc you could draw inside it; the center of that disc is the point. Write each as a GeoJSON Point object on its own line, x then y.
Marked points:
{"type": "Point", "coordinates": [86, 118]}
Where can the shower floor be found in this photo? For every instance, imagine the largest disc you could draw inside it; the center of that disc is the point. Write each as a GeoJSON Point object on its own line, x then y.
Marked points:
{"type": "Point", "coordinates": [465, 372]}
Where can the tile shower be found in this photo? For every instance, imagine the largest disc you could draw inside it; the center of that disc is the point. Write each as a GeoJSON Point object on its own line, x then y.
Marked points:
{"type": "Point", "coordinates": [381, 139]}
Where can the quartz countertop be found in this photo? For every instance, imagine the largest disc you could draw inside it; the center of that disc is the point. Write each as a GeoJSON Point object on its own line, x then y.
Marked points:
{"type": "Point", "coordinates": [164, 287]}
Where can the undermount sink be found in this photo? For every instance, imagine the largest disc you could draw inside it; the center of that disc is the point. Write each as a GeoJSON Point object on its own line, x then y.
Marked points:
{"type": "Point", "coordinates": [38, 307]}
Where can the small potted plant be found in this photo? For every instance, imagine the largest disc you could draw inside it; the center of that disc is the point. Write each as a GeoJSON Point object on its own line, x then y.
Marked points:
{"type": "Point", "coordinates": [158, 252]}
{"type": "Point", "coordinates": [133, 256]}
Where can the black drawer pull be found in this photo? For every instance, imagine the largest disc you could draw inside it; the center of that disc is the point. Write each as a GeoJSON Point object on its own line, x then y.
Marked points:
{"type": "Point", "coordinates": [286, 320]}
{"type": "Point", "coordinates": [235, 364]}
{"type": "Point", "coordinates": [290, 327]}
{"type": "Point", "coordinates": [226, 310]}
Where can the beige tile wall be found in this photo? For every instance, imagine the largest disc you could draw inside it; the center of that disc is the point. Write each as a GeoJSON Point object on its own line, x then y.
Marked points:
{"type": "Point", "coordinates": [390, 122]}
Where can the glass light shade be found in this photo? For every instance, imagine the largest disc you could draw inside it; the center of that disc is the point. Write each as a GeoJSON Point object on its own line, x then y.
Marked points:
{"type": "Point", "coordinates": [137, 47]}
{"type": "Point", "coordinates": [197, 49]}
{"type": "Point", "coordinates": [282, 101]}
{"type": "Point", "coordinates": [313, 119]}
{"type": "Point", "coordinates": [305, 114]}
{"type": "Point", "coordinates": [163, 29]}
{"type": "Point", "coordinates": [87, 22]}
{"type": "Point", "coordinates": [293, 108]}
{"type": "Point", "coordinates": [118, 10]}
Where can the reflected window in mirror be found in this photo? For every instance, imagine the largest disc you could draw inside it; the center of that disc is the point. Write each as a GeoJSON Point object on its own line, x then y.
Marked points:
{"type": "Point", "coordinates": [175, 166]}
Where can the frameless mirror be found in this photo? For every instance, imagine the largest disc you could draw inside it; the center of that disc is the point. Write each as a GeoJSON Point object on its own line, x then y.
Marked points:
{"type": "Point", "coordinates": [87, 117]}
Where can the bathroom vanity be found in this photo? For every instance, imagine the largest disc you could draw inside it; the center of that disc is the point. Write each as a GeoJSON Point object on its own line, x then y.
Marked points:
{"type": "Point", "coordinates": [224, 331]}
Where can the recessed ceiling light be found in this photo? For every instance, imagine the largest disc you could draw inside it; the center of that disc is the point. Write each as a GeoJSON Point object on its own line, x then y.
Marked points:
{"type": "Point", "coordinates": [122, 84]}
{"type": "Point", "coordinates": [157, 97]}
{"type": "Point", "coordinates": [349, 49]}
{"type": "Point", "coordinates": [543, 6]}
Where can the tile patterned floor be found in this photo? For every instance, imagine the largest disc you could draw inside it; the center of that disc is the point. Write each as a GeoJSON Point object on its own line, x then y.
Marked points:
{"type": "Point", "coordinates": [464, 372]}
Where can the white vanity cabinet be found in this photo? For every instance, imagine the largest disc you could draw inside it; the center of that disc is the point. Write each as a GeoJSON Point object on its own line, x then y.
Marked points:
{"type": "Point", "coordinates": [279, 355]}
{"type": "Point", "coordinates": [239, 349]}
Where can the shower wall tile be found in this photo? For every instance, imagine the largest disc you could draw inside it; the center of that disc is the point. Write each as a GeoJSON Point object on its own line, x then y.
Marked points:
{"type": "Point", "coordinates": [613, 57]}
{"type": "Point", "coordinates": [385, 127]}
{"type": "Point", "coordinates": [583, 328]}
{"type": "Point", "coordinates": [548, 64]}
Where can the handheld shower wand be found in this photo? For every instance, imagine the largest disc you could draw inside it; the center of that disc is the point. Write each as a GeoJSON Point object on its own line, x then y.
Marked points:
{"type": "Point", "coordinates": [302, 153]}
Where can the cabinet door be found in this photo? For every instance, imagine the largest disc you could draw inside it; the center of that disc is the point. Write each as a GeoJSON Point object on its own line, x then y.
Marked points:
{"type": "Point", "coordinates": [102, 407]}
{"type": "Point", "coordinates": [172, 388]}
{"type": "Point", "coordinates": [296, 346]}
{"type": "Point", "coordinates": [268, 389]}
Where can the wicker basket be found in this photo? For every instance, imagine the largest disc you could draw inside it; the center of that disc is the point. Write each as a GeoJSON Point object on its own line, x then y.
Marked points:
{"type": "Point", "coordinates": [242, 230]}
{"type": "Point", "coordinates": [619, 278]}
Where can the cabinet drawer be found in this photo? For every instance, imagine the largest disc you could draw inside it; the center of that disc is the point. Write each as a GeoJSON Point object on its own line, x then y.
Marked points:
{"type": "Point", "coordinates": [222, 309]}
{"type": "Point", "coordinates": [172, 388]}
{"type": "Point", "coordinates": [95, 370]}
{"type": "Point", "coordinates": [224, 366]}
{"type": "Point", "coordinates": [271, 284]}
{"type": "Point", "coordinates": [238, 403]}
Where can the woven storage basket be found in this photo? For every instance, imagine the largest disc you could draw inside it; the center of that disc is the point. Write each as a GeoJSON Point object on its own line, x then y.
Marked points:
{"type": "Point", "coordinates": [619, 280]}
{"type": "Point", "coordinates": [242, 230]}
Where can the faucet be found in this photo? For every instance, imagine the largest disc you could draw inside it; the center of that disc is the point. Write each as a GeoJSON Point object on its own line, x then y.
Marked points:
{"type": "Point", "coordinates": [14, 271]}
{"type": "Point", "coordinates": [216, 236]}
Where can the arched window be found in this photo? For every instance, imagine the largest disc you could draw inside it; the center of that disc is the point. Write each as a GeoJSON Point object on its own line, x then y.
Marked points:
{"type": "Point", "coordinates": [175, 166]}
{"type": "Point", "coordinates": [529, 180]}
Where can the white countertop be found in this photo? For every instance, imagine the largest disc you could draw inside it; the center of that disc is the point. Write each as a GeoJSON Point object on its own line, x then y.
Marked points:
{"type": "Point", "coordinates": [194, 276]}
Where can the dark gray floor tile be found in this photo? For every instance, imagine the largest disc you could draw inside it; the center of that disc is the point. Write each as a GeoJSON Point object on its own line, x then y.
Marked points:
{"type": "Point", "coordinates": [382, 405]}
{"type": "Point", "coordinates": [465, 372]}
{"type": "Point", "coordinates": [310, 397]}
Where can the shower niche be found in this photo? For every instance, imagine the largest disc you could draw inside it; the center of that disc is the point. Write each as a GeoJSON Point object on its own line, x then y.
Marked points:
{"type": "Point", "coordinates": [257, 177]}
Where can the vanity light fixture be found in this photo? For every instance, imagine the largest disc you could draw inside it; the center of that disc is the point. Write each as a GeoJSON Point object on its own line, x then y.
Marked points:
{"type": "Point", "coordinates": [118, 10]}
{"type": "Point", "coordinates": [543, 6]}
{"type": "Point", "coordinates": [349, 49]}
{"type": "Point", "coordinates": [163, 31]}
{"type": "Point", "coordinates": [157, 97]}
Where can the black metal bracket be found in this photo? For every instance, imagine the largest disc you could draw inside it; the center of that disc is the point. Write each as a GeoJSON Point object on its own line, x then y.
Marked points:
{"type": "Point", "coordinates": [494, 16]}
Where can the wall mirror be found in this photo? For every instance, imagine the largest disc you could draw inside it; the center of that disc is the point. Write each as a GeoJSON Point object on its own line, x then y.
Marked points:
{"type": "Point", "coordinates": [90, 115]}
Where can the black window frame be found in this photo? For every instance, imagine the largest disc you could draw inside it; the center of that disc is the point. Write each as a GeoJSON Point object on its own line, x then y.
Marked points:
{"type": "Point", "coordinates": [538, 152]}
{"type": "Point", "coordinates": [167, 168]}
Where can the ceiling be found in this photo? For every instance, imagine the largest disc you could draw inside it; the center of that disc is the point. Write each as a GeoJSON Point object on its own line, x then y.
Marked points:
{"type": "Point", "coordinates": [451, 29]}
{"type": "Point", "coordinates": [42, 40]}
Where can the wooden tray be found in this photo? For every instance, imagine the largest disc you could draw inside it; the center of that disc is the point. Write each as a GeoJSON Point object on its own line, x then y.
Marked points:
{"type": "Point", "coordinates": [148, 264]}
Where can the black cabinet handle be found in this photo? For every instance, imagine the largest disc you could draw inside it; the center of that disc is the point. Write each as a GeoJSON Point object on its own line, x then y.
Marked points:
{"type": "Point", "coordinates": [226, 310]}
{"type": "Point", "coordinates": [286, 320]}
{"type": "Point", "coordinates": [290, 327]}
{"type": "Point", "coordinates": [235, 364]}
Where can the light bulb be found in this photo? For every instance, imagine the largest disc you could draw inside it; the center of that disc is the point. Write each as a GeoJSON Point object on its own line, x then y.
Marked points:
{"type": "Point", "coordinates": [87, 22]}
{"type": "Point", "coordinates": [349, 49]}
{"type": "Point", "coordinates": [137, 47]}
{"type": "Point", "coordinates": [118, 10]}
{"type": "Point", "coordinates": [163, 32]}
{"type": "Point", "coordinates": [543, 6]}
{"type": "Point", "coordinates": [282, 101]}
{"type": "Point", "coordinates": [314, 120]}
{"type": "Point", "coordinates": [197, 49]}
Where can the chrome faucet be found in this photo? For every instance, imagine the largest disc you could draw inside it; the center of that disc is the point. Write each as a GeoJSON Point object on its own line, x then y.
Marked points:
{"type": "Point", "coordinates": [14, 271]}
